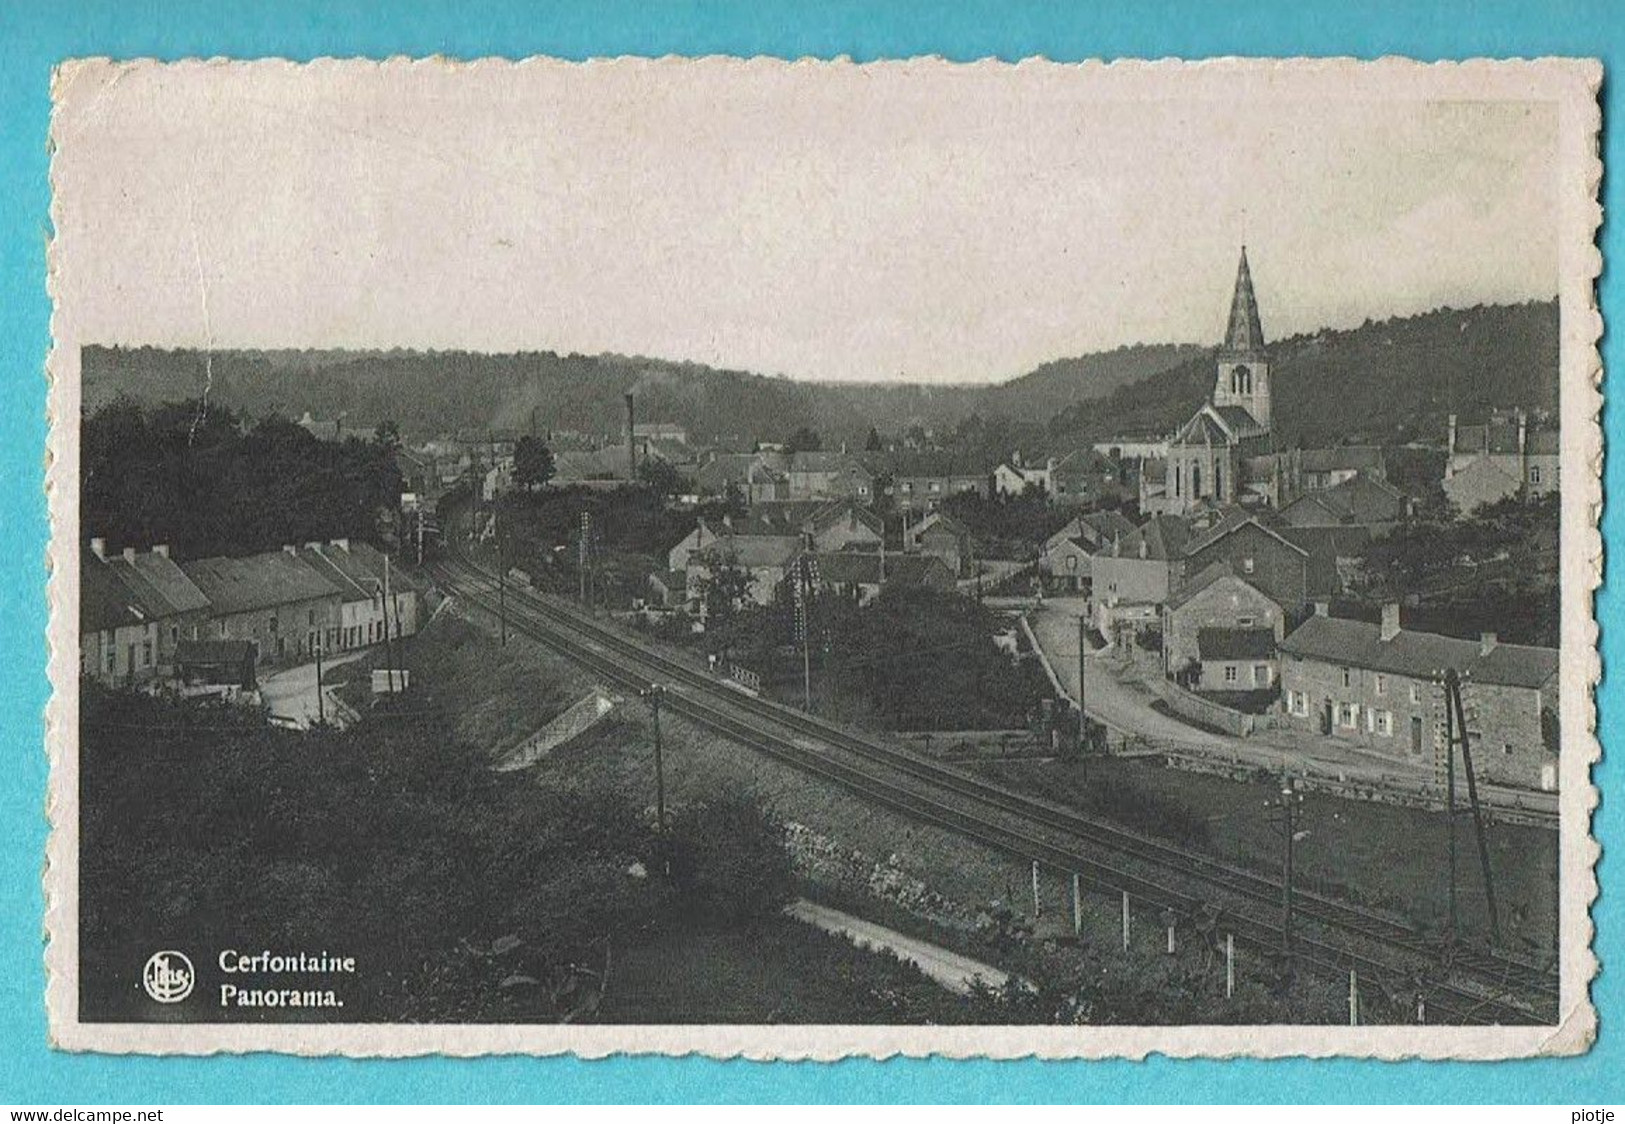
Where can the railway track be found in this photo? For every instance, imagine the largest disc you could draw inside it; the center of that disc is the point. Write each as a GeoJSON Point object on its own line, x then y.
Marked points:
{"type": "Point", "coordinates": [1482, 988]}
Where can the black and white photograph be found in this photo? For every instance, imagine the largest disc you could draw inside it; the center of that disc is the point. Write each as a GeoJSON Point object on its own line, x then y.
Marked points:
{"type": "Point", "coordinates": [810, 559]}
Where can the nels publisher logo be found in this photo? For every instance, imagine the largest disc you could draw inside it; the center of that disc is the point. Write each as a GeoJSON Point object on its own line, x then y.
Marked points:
{"type": "Point", "coordinates": [168, 976]}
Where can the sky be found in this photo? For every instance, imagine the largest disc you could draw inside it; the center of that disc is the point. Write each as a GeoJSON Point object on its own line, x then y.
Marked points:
{"type": "Point", "coordinates": [919, 222]}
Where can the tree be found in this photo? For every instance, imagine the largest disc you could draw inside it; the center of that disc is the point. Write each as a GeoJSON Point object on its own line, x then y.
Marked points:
{"type": "Point", "coordinates": [659, 477]}
{"type": "Point", "coordinates": [532, 463]}
{"type": "Point", "coordinates": [388, 435]}
{"type": "Point", "coordinates": [723, 590]}
{"type": "Point", "coordinates": [804, 440]}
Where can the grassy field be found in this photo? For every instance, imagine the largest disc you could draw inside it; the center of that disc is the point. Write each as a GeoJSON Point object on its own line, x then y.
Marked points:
{"type": "Point", "coordinates": [463, 669]}
{"type": "Point", "coordinates": [1375, 854]}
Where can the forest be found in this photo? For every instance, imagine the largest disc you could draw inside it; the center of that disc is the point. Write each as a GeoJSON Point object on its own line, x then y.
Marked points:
{"type": "Point", "coordinates": [208, 481]}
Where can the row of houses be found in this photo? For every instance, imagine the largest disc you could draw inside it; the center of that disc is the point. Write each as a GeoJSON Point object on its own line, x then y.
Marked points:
{"type": "Point", "coordinates": [1082, 478]}
{"type": "Point", "coordinates": [146, 615]}
{"type": "Point", "coordinates": [841, 541]}
{"type": "Point", "coordinates": [1245, 621]}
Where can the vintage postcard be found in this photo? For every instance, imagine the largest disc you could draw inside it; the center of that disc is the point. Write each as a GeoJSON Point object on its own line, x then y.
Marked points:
{"type": "Point", "coordinates": [808, 559]}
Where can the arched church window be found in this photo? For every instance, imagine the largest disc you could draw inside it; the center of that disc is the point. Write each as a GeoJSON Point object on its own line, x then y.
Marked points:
{"type": "Point", "coordinates": [1218, 480]}
{"type": "Point", "coordinates": [1196, 481]}
{"type": "Point", "coordinates": [1243, 380]}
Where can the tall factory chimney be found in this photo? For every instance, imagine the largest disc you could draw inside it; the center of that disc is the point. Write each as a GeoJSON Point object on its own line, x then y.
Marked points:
{"type": "Point", "coordinates": [631, 440]}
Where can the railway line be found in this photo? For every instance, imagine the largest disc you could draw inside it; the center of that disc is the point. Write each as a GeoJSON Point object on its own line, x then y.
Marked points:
{"type": "Point", "coordinates": [1329, 935]}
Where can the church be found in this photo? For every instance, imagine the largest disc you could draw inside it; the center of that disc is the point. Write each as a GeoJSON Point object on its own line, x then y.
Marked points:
{"type": "Point", "coordinates": [1225, 454]}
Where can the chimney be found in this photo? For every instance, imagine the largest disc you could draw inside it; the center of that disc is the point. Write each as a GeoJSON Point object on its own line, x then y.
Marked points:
{"type": "Point", "coordinates": [129, 554]}
{"type": "Point", "coordinates": [1390, 620]}
{"type": "Point", "coordinates": [161, 550]}
{"type": "Point", "coordinates": [98, 547]}
{"type": "Point", "coordinates": [1486, 643]}
{"type": "Point", "coordinates": [341, 544]}
{"type": "Point", "coordinates": [1323, 609]}
{"type": "Point", "coordinates": [631, 439]}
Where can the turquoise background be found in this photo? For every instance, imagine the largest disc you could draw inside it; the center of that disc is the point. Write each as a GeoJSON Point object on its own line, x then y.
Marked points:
{"type": "Point", "coordinates": [34, 36]}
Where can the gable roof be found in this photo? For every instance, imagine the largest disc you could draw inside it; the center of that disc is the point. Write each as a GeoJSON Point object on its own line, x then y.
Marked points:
{"type": "Point", "coordinates": [1208, 576]}
{"type": "Point", "coordinates": [855, 568]}
{"type": "Point", "coordinates": [1419, 655]}
{"type": "Point", "coordinates": [167, 580]}
{"type": "Point", "coordinates": [105, 603]}
{"type": "Point", "coordinates": [1164, 537]}
{"type": "Point", "coordinates": [1107, 523]}
{"type": "Point", "coordinates": [261, 581]}
{"type": "Point", "coordinates": [1232, 522]}
{"type": "Point", "coordinates": [754, 552]}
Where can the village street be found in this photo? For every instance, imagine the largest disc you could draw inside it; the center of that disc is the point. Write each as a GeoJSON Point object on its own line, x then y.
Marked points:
{"type": "Point", "coordinates": [1114, 694]}
{"type": "Point", "coordinates": [290, 694]}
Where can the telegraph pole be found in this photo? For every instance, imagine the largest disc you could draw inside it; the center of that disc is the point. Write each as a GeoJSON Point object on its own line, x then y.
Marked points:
{"type": "Point", "coordinates": [321, 708]}
{"type": "Point", "coordinates": [1289, 802]}
{"type": "Point", "coordinates": [654, 692]}
{"type": "Point", "coordinates": [1453, 700]}
{"type": "Point", "coordinates": [1450, 796]}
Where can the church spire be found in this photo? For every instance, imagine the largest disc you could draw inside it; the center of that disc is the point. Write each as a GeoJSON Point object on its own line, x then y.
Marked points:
{"type": "Point", "coordinates": [1244, 336]}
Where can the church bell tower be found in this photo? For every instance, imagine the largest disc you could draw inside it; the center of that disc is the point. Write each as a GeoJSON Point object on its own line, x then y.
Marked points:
{"type": "Point", "coordinates": [1244, 369]}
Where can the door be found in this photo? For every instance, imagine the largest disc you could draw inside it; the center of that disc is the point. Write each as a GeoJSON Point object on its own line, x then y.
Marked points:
{"type": "Point", "coordinates": [1326, 718]}
{"type": "Point", "coordinates": [1416, 735]}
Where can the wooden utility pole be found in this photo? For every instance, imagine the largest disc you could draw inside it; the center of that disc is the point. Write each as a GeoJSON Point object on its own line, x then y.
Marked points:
{"type": "Point", "coordinates": [1454, 705]}
{"type": "Point", "coordinates": [654, 692]}
{"type": "Point", "coordinates": [321, 707]}
{"type": "Point", "coordinates": [1288, 806]}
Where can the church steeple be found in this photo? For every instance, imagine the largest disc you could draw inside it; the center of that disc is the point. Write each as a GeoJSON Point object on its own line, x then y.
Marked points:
{"type": "Point", "coordinates": [1244, 369]}
{"type": "Point", "coordinates": [1244, 335]}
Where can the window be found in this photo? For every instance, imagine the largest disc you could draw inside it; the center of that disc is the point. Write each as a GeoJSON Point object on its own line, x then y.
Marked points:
{"type": "Point", "coordinates": [1299, 701]}
{"type": "Point", "coordinates": [270, 623]}
{"type": "Point", "coordinates": [222, 630]}
{"type": "Point", "coordinates": [1261, 674]}
{"type": "Point", "coordinates": [1381, 682]}
{"type": "Point", "coordinates": [1230, 673]}
{"type": "Point", "coordinates": [146, 653]}
{"type": "Point", "coordinates": [1385, 723]}
{"type": "Point", "coordinates": [1506, 749]}
{"type": "Point", "coordinates": [1348, 678]}
{"type": "Point", "coordinates": [1534, 474]}
{"type": "Point", "coordinates": [112, 658]}
{"type": "Point", "coordinates": [1244, 622]}
{"type": "Point", "coordinates": [1348, 716]}
{"type": "Point", "coordinates": [310, 617]}
{"type": "Point", "coordinates": [174, 634]}
{"type": "Point", "coordinates": [1196, 481]}
{"type": "Point", "coordinates": [1416, 694]}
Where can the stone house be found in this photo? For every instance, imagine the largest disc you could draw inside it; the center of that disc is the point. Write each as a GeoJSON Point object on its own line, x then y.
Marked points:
{"type": "Point", "coordinates": [1378, 686]}
{"type": "Point", "coordinates": [276, 600]}
{"type": "Point", "coordinates": [1219, 633]}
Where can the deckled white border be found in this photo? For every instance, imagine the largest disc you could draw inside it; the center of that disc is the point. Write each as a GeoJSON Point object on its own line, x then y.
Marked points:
{"type": "Point", "coordinates": [1571, 83]}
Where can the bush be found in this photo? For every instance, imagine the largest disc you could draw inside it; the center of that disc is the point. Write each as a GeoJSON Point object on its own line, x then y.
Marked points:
{"type": "Point", "coordinates": [728, 860]}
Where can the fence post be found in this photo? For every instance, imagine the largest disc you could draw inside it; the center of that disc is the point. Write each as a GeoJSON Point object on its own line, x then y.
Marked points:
{"type": "Point", "coordinates": [1354, 999]}
{"type": "Point", "coordinates": [1229, 965]}
{"type": "Point", "coordinates": [1077, 905]}
{"type": "Point", "coordinates": [1125, 920]}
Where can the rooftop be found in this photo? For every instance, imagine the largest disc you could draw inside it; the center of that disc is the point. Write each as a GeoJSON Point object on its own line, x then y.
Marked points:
{"type": "Point", "coordinates": [1419, 655]}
